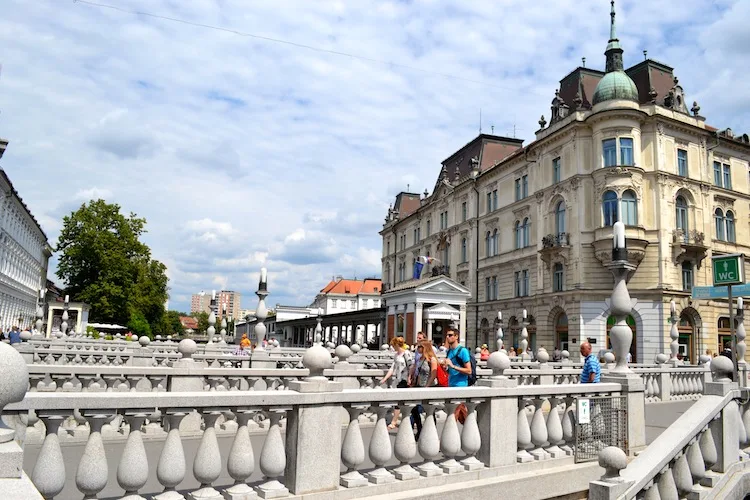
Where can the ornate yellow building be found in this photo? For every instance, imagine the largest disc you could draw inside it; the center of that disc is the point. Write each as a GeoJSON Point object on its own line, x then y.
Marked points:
{"type": "Point", "coordinates": [531, 227]}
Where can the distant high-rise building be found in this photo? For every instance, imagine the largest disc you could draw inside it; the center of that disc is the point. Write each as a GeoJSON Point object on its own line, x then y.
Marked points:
{"type": "Point", "coordinates": [228, 301]}
{"type": "Point", "coordinates": [200, 302]}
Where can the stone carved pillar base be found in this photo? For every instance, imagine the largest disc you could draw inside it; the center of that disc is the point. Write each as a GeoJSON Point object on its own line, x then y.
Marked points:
{"type": "Point", "coordinates": [207, 493]}
{"type": "Point", "coordinates": [272, 489]}
{"type": "Point", "coordinates": [240, 491]}
{"type": "Point", "coordinates": [353, 479]}
{"type": "Point", "coordinates": [405, 472]}
{"type": "Point", "coordinates": [169, 495]}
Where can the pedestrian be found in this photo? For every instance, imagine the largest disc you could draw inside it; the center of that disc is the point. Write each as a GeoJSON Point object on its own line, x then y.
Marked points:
{"type": "Point", "coordinates": [15, 335]}
{"type": "Point", "coordinates": [484, 353]}
{"type": "Point", "coordinates": [512, 352]}
{"type": "Point", "coordinates": [399, 371]}
{"type": "Point", "coordinates": [592, 370]}
{"type": "Point", "coordinates": [457, 360]}
{"type": "Point", "coordinates": [417, 359]}
{"type": "Point", "coordinates": [426, 374]}
{"type": "Point", "coordinates": [557, 355]}
{"type": "Point", "coordinates": [244, 342]}
{"type": "Point", "coordinates": [727, 350]}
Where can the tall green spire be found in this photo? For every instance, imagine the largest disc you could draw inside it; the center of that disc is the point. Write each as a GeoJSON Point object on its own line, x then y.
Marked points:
{"type": "Point", "coordinates": [614, 50]}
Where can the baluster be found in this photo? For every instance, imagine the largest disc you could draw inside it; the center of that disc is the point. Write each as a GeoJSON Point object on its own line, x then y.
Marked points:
{"type": "Point", "coordinates": [132, 471]}
{"type": "Point", "coordinates": [273, 458]}
{"type": "Point", "coordinates": [450, 440]}
{"type": "Point", "coordinates": [207, 463]}
{"type": "Point", "coordinates": [49, 470]}
{"type": "Point", "coordinates": [681, 472]}
{"type": "Point", "coordinates": [696, 465]}
{"type": "Point", "coordinates": [353, 449]}
{"type": "Point", "coordinates": [666, 485]}
{"type": "Point", "coordinates": [471, 438]}
{"type": "Point", "coordinates": [241, 460]}
{"type": "Point", "coordinates": [651, 492]}
{"type": "Point", "coordinates": [91, 476]}
{"type": "Point", "coordinates": [170, 470]}
{"type": "Point", "coordinates": [746, 419]}
{"type": "Point", "coordinates": [699, 382]}
{"type": "Point", "coordinates": [710, 456]}
{"type": "Point", "coordinates": [524, 434]}
{"type": "Point", "coordinates": [568, 426]}
{"type": "Point", "coordinates": [380, 447]}
{"type": "Point", "coordinates": [554, 429]}
{"type": "Point", "coordinates": [539, 430]}
{"type": "Point", "coordinates": [405, 448]}
{"type": "Point", "coordinates": [429, 442]}
{"type": "Point", "coordinates": [657, 387]}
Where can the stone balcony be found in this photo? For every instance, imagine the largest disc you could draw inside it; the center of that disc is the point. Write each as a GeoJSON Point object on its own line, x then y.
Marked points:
{"type": "Point", "coordinates": [689, 246]}
{"type": "Point", "coordinates": [635, 239]}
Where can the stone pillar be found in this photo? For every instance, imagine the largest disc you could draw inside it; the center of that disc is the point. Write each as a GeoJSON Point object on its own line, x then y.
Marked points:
{"type": "Point", "coordinates": [313, 433]}
{"type": "Point", "coordinates": [497, 417]}
{"type": "Point", "coordinates": [462, 323]}
{"type": "Point", "coordinates": [417, 322]}
{"type": "Point", "coordinates": [726, 428]}
{"type": "Point", "coordinates": [430, 324]}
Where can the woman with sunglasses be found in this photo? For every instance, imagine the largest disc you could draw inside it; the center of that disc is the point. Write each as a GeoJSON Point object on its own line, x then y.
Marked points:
{"type": "Point", "coordinates": [425, 375]}
{"type": "Point", "coordinates": [399, 370]}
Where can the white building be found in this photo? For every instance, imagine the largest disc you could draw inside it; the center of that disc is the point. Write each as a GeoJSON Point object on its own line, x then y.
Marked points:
{"type": "Point", "coordinates": [342, 295]}
{"type": "Point", "coordinates": [24, 256]}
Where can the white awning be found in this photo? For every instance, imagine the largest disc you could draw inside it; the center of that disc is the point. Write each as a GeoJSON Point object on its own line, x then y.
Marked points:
{"type": "Point", "coordinates": [107, 326]}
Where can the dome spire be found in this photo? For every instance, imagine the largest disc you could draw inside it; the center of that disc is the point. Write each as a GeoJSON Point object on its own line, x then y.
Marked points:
{"type": "Point", "coordinates": [614, 50]}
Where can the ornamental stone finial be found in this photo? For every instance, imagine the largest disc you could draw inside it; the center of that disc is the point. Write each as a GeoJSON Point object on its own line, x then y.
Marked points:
{"type": "Point", "coordinates": [613, 460]}
{"type": "Point", "coordinates": [722, 369]}
{"type": "Point", "coordinates": [187, 348]}
{"type": "Point", "coordinates": [498, 362]}
{"type": "Point", "coordinates": [14, 379]}
{"type": "Point", "coordinates": [343, 353]}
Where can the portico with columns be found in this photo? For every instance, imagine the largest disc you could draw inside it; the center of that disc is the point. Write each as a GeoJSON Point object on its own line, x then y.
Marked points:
{"type": "Point", "coordinates": [430, 305]}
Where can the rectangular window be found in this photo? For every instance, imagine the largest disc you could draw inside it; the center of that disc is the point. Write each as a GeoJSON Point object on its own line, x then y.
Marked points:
{"type": "Point", "coordinates": [687, 277]}
{"type": "Point", "coordinates": [556, 170]}
{"type": "Point", "coordinates": [489, 202]}
{"type": "Point", "coordinates": [495, 293]}
{"type": "Point", "coordinates": [354, 304]}
{"type": "Point", "coordinates": [717, 174]}
{"type": "Point", "coordinates": [609, 150]}
{"type": "Point", "coordinates": [334, 302]}
{"type": "Point", "coordinates": [525, 284]}
{"type": "Point", "coordinates": [463, 212]}
{"type": "Point", "coordinates": [524, 186]}
{"type": "Point", "coordinates": [429, 227]}
{"type": "Point", "coordinates": [557, 279]}
{"type": "Point", "coordinates": [626, 151]}
{"type": "Point", "coordinates": [682, 168]}
{"type": "Point", "coordinates": [727, 177]}
{"type": "Point", "coordinates": [494, 199]}
{"type": "Point", "coordinates": [487, 289]}
{"type": "Point", "coordinates": [518, 189]}
{"type": "Point", "coordinates": [517, 289]}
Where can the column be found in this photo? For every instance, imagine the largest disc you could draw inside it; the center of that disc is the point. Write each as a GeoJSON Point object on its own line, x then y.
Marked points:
{"type": "Point", "coordinates": [430, 324]}
{"type": "Point", "coordinates": [417, 321]}
{"type": "Point", "coordinates": [462, 323]}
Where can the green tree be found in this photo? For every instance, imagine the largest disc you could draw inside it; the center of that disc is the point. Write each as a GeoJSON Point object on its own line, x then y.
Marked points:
{"type": "Point", "coordinates": [172, 322]}
{"type": "Point", "coordinates": [139, 325]}
{"type": "Point", "coordinates": [105, 264]}
{"type": "Point", "coordinates": [202, 318]}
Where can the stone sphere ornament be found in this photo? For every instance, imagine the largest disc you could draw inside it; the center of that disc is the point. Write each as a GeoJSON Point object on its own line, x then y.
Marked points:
{"type": "Point", "coordinates": [343, 353]}
{"type": "Point", "coordinates": [187, 347]}
{"type": "Point", "coordinates": [661, 358]}
{"type": "Point", "coordinates": [316, 359]}
{"type": "Point", "coordinates": [14, 379]}
{"type": "Point", "coordinates": [722, 369]}
{"type": "Point", "coordinates": [25, 335]}
{"type": "Point", "coordinates": [609, 357]}
{"type": "Point", "coordinates": [542, 356]}
{"type": "Point", "coordinates": [144, 341]}
{"type": "Point", "coordinates": [498, 362]}
{"type": "Point", "coordinates": [613, 460]}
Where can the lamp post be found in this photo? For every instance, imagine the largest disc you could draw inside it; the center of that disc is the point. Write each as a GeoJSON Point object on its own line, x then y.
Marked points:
{"type": "Point", "coordinates": [620, 334]}
{"type": "Point", "coordinates": [525, 336]}
{"type": "Point", "coordinates": [674, 334]}
{"type": "Point", "coordinates": [500, 346]}
{"type": "Point", "coordinates": [741, 346]}
{"type": "Point", "coordinates": [211, 331]}
{"type": "Point", "coordinates": [223, 331]}
{"type": "Point", "coordinates": [39, 312]}
{"type": "Point", "coordinates": [261, 312]}
{"type": "Point", "coordinates": [65, 317]}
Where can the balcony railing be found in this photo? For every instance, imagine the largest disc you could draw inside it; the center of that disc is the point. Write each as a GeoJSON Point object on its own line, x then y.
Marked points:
{"type": "Point", "coordinates": [555, 240]}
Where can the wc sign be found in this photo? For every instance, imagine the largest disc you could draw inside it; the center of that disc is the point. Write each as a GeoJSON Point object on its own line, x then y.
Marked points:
{"type": "Point", "coordinates": [728, 269]}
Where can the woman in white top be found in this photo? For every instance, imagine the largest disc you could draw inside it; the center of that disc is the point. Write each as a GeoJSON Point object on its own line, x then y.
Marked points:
{"type": "Point", "coordinates": [399, 371]}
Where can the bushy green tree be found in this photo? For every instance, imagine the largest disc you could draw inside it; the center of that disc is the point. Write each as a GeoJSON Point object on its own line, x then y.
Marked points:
{"type": "Point", "coordinates": [139, 325]}
{"type": "Point", "coordinates": [105, 264]}
{"type": "Point", "coordinates": [202, 318]}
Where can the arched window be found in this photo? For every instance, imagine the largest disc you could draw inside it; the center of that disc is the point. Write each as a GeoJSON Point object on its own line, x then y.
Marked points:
{"type": "Point", "coordinates": [560, 218]}
{"type": "Point", "coordinates": [629, 208]}
{"type": "Point", "coordinates": [719, 223]}
{"type": "Point", "coordinates": [487, 245]}
{"type": "Point", "coordinates": [729, 218]}
{"type": "Point", "coordinates": [681, 215]}
{"type": "Point", "coordinates": [609, 206]}
{"type": "Point", "coordinates": [495, 242]}
{"type": "Point", "coordinates": [518, 229]}
{"type": "Point", "coordinates": [526, 231]}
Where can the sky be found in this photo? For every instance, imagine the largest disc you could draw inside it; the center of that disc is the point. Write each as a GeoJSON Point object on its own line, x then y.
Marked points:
{"type": "Point", "coordinates": [243, 152]}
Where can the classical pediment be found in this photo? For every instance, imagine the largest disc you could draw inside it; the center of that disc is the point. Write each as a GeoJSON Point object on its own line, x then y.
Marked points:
{"type": "Point", "coordinates": [442, 311]}
{"type": "Point", "coordinates": [443, 285]}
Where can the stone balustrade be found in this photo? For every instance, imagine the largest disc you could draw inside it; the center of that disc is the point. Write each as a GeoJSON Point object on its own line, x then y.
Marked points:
{"type": "Point", "coordinates": [703, 454]}
{"type": "Point", "coordinates": [301, 428]}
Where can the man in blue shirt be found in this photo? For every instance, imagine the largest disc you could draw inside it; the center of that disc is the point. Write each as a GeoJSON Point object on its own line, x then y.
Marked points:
{"type": "Point", "coordinates": [457, 360]}
{"type": "Point", "coordinates": [15, 335]}
{"type": "Point", "coordinates": [592, 370]}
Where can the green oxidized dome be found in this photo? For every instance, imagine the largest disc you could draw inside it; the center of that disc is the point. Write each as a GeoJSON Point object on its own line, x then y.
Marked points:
{"type": "Point", "coordinates": [615, 85]}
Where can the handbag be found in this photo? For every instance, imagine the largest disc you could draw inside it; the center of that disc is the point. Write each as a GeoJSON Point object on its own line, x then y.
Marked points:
{"type": "Point", "coordinates": [442, 376]}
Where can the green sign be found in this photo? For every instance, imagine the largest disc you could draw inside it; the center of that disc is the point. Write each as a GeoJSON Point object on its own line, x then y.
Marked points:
{"type": "Point", "coordinates": [728, 269]}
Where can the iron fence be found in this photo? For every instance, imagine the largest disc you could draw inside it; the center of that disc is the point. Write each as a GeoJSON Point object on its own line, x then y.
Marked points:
{"type": "Point", "coordinates": [601, 421]}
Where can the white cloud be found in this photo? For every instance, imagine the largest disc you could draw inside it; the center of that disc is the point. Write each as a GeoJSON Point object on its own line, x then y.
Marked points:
{"type": "Point", "coordinates": [241, 152]}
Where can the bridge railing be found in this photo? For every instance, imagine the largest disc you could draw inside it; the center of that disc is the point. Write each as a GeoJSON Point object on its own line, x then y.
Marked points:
{"type": "Point", "coordinates": [691, 457]}
{"type": "Point", "coordinates": [311, 432]}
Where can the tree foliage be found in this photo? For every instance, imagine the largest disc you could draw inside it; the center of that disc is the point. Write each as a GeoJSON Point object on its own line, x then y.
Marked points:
{"type": "Point", "coordinates": [105, 264]}
{"type": "Point", "coordinates": [202, 318]}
